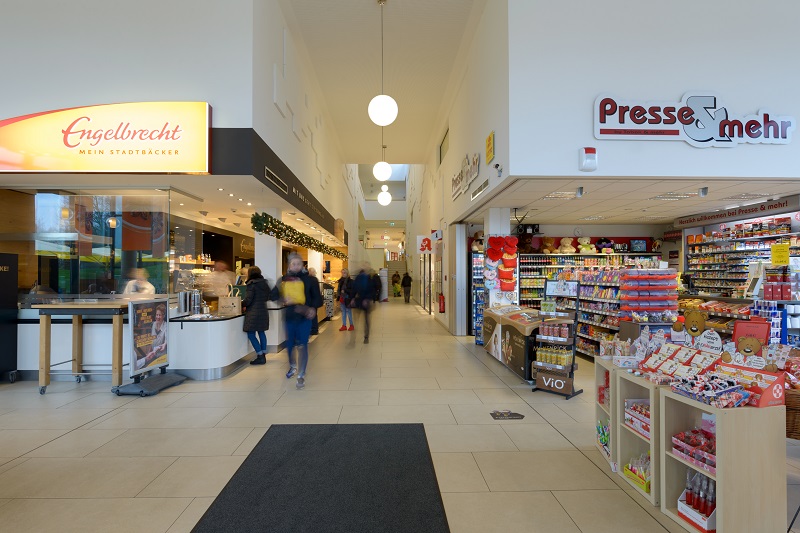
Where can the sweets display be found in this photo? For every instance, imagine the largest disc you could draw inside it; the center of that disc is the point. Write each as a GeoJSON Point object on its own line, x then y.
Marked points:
{"type": "Point", "coordinates": [698, 447]}
{"type": "Point", "coordinates": [637, 416]}
{"type": "Point", "coordinates": [639, 471]}
{"type": "Point", "coordinates": [715, 390]}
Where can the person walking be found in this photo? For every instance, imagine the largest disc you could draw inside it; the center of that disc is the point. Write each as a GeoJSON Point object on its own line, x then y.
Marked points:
{"type": "Point", "coordinates": [345, 293]}
{"type": "Point", "coordinates": [406, 284]}
{"type": "Point", "coordinates": [396, 284]}
{"type": "Point", "coordinates": [312, 273]}
{"type": "Point", "coordinates": [364, 296]}
{"type": "Point", "coordinates": [300, 295]}
{"type": "Point", "coordinates": [377, 285]}
{"type": "Point", "coordinates": [256, 314]}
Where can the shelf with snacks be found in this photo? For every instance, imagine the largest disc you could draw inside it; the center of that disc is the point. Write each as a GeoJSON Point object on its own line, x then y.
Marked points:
{"type": "Point", "coordinates": [586, 349]}
{"type": "Point", "coordinates": [637, 415]}
{"type": "Point", "coordinates": [784, 234]}
{"type": "Point", "coordinates": [749, 495]}
{"type": "Point", "coordinates": [648, 295]}
{"type": "Point", "coordinates": [605, 414]}
{"type": "Point", "coordinates": [598, 324]}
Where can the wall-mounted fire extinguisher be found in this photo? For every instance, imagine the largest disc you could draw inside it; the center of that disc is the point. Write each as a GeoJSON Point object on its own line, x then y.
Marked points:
{"type": "Point", "coordinates": [441, 302]}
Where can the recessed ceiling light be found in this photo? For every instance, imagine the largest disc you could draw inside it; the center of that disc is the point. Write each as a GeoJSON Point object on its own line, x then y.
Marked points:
{"type": "Point", "coordinates": [654, 217]}
{"type": "Point", "coordinates": [293, 213]}
{"type": "Point", "coordinates": [248, 203]}
{"type": "Point", "coordinates": [300, 219]}
{"type": "Point", "coordinates": [177, 227]}
{"type": "Point", "coordinates": [593, 217]}
{"type": "Point", "coordinates": [748, 196]}
{"type": "Point", "coordinates": [308, 223]}
{"type": "Point", "coordinates": [674, 196]}
{"type": "Point", "coordinates": [180, 204]}
{"type": "Point", "coordinates": [220, 189]}
{"type": "Point", "coordinates": [560, 195]}
{"type": "Point", "coordinates": [313, 227]}
{"type": "Point", "coordinates": [240, 199]}
{"type": "Point", "coordinates": [230, 194]}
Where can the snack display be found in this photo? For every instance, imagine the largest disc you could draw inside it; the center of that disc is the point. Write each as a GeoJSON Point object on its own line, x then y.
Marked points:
{"type": "Point", "coordinates": [718, 391]}
{"type": "Point", "coordinates": [698, 447]}
{"type": "Point", "coordinates": [698, 501]}
{"type": "Point", "coordinates": [639, 471]}
{"type": "Point", "coordinates": [649, 295]}
{"type": "Point", "coordinates": [637, 416]}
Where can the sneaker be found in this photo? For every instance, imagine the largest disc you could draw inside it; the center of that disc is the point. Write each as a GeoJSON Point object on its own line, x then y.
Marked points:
{"type": "Point", "coordinates": [366, 340]}
{"type": "Point", "coordinates": [259, 360]}
{"type": "Point", "coordinates": [291, 372]}
{"type": "Point", "coordinates": [351, 328]}
{"type": "Point", "coordinates": [344, 328]}
{"type": "Point", "coordinates": [301, 382]}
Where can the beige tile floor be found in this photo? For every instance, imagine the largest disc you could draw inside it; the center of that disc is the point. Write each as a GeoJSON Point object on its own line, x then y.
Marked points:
{"type": "Point", "coordinates": [81, 459]}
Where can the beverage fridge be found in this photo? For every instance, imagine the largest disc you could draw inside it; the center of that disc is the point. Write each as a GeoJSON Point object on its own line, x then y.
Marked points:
{"type": "Point", "coordinates": [476, 297]}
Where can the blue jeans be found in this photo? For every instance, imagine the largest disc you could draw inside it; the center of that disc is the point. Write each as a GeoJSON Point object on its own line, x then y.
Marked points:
{"type": "Point", "coordinates": [297, 333]}
{"type": "Point", "coordinates": [346, 312]}
{"type": "Point", "coordinates": [260, 346]}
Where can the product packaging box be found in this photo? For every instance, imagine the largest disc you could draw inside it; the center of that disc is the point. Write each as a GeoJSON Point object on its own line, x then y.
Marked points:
{"type": "Point", "coordinates": [701, 523]}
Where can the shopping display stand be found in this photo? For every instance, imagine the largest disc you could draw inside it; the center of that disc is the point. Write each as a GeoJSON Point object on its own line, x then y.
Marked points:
{"type": "Point", "coordinates": [557, 376]}
{"type": "Point", "coordinates": [605, 414]}
{"type": "Point", "coordinates": [632, 442]}
{"type": "Point", "coordinates": [750, 464]}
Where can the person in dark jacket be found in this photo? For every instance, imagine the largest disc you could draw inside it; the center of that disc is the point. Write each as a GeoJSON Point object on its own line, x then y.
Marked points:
{"type": "Point", "coordinates": [345, 293]}
{"type": "Point", "coordinates": [406, 284]}
{"type": "Point", "coordinates": [365, 295]}
{"type": "Point", "coordinates": [377, 285]}
{"type": "Point", "coordinates": [301, 297]}
{"type": "Point", "coordinates": [256, 316]}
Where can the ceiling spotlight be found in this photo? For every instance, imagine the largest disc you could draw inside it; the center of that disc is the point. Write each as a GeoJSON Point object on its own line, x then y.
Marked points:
{"type": "Point", "coordinates": [204, 213]}
{"type": "Point", "coordinates": [230, 194]}
{"type": "Point", "coordinates": [180, 204]}
{"type": "Point", "coordinates": [240, 199]}
{"type": "Point", "coordinates": [384, 198]}
{"type": "Point", "coordinates": [220, 189]}
{"type": "Point", "coordinates": [579, 192]}
{"type": "Point", "coordinates": [248, 203]}
{"type": "Point", "coordinates": [702, 192]}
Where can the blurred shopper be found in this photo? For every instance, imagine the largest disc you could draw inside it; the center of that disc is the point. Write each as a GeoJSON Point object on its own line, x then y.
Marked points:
{"type": "Point", "coordinates": [364, 296]}
{"type": "Point", "coordinates": [312, 272]}
{"type": "Point", "coordinates": [377, 285]}
{"type": "Point", "coordinates": [299, 292]}
{"type": "Point", "coordinates": [406, 284]}
{"type": "Point", "coordinates": [256, 314]}
{"type": "Point", "coordinates": [345, 292]}
{"type": "Point", "coordinates": [396, 284]}
{"type": "Point", "coordinates": [138, 283]}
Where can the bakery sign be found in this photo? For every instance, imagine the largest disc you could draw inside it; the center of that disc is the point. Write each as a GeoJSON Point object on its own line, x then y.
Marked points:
{"type": "Point", "coordinates": [470, 166]}
{"type": "Point", "coordinates": [699, 119]}
{"type": "Point", "coordinates": [142, 137]}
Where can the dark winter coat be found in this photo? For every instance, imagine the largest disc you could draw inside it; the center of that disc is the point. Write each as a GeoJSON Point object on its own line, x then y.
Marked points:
{"type": "Point", "coordinates": [364, 290]}
{"type": "Point", "coordinates": [313, 296]}
{"type": "Point", "coordinates": [406, 281]}
{"type": "Point", "coordinates": [256, 314]}
{"type": "Point", "coordinates": [346, 288]}
{"type": "Point", "coordinates": [377, 285]}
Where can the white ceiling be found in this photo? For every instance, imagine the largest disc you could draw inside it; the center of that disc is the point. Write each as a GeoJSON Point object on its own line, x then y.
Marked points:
{"type": "Point", "coordinates": [342, 39]}
{"type": "Point", "coordinates": [626, 200]}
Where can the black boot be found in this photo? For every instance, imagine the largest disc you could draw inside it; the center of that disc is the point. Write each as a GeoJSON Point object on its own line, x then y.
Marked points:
{"type": "Point", "coordinates": [259, 360]}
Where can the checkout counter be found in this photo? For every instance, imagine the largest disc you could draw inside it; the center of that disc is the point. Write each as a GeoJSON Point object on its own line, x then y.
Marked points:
{"type": "Point", "coordinates": [204, 348]}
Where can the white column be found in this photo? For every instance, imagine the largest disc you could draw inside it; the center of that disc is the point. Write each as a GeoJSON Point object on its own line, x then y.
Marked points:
{"type": "Point", "coordinates": [268, 258]}
{"type": "Point", "coordinates": [315, 261]}
{"type": "Point", "coordinates": [497, 221]}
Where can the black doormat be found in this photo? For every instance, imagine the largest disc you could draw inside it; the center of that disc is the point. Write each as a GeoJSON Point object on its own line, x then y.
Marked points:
{"type": "Point", "coordinates": [344, 478]}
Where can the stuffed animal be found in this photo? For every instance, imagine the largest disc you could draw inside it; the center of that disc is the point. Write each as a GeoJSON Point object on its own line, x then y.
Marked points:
{"type": "Point", "coordinates": [604, 246]}
{"type": "Point", "coordinates": [585, 246]}
{"type": "Point", "coordinates": [549, 245]}
{"type": "Point", "coordinates": [525, 245]}
{"type": "Point", "coordinates": [566, 246]}
{"type": "Point", "coordinates": [657, 245]}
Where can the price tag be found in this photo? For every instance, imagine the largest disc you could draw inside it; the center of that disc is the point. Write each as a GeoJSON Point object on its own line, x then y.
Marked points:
{"type": "Point", "coordinates": [780, 254]}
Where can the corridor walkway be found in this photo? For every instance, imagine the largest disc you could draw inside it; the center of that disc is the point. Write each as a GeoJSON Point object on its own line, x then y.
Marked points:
{"type": "Point", "coordinates": [82, 459]}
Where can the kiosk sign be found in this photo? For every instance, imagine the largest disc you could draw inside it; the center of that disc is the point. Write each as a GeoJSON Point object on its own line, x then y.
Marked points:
{"type": "Point", "coordinates": [699, 119]}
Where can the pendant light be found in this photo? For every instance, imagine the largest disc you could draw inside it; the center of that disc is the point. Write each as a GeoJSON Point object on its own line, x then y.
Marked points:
{"type": "Point", "coordinates": [382, 109]}
{"type": "Point", "coordinates": [382, 170]}
{"type": "Point", "coordinates": [384, 197]}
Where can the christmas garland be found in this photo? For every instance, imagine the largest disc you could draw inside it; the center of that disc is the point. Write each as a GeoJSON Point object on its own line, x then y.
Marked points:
{"type": "Point", "coordinates": [269, 225]}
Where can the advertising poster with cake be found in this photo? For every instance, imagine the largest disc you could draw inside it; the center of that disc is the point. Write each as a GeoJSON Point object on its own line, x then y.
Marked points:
{"type": "Point", "coordinates": [500, 270]}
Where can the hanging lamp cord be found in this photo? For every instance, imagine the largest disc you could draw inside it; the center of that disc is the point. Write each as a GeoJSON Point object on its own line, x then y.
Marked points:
{"type": "Point", "coordinates": [382, 4]}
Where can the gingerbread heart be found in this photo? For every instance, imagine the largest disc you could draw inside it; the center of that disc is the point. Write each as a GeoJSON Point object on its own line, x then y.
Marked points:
{"type": "Point", "coordinates": [511, 241]}
{"type": "Point", "coordinates": [496, 242]}
{"type": "Point", "coordinates": [494, 254]}
{"type": "Point", "coordinates": [511, 250]}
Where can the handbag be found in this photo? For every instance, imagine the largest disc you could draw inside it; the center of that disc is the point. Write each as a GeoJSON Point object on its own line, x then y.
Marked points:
{"type": "Point", "coordinates": [229, 305]}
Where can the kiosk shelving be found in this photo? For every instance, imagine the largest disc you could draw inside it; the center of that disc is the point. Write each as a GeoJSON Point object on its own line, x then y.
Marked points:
{"type": "Point", "coordinates": [605, 413]}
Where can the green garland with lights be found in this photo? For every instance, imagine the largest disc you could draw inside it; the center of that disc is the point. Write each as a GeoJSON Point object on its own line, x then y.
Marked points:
{"type": "Point", "coordinates": [269, 225]}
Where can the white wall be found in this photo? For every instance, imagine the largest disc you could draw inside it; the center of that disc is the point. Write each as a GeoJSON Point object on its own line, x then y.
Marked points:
{"type": "Point", "coordinates": [375, 211]}
{"type": "Point", "coordinates": [564, 54]}
{"type": "Point", "coordinates": [67, 54]}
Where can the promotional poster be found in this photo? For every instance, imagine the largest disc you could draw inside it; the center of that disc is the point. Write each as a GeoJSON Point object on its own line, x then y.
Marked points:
{"type": "Point", "coordinates": [148, 327]}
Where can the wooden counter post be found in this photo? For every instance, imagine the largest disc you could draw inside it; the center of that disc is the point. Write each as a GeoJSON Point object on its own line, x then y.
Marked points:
{"type": "Point", "coordinates": [44, 350]}
{"type": "Point", "coordinates": [116, 351]}
{"type": "Point", "coordinates": [77, 344]}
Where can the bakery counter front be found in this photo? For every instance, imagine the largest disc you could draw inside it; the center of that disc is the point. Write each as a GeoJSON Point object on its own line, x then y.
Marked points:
{"type": "Point", "coordinates": [203, 347]}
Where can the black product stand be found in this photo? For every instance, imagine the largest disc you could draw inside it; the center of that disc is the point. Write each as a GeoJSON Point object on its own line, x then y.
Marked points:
{"type": "Point", "coordinates": [149, 385]}
{"type": "Point", "coordinates": [555, 378]}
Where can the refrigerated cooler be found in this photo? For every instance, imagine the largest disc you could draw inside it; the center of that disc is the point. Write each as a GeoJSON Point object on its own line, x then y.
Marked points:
{"type": "Point", "coordinates": [476, 295]}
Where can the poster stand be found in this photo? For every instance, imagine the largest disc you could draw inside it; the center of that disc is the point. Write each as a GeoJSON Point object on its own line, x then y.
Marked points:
{"type": "Point", "coordinates": [149, 385]}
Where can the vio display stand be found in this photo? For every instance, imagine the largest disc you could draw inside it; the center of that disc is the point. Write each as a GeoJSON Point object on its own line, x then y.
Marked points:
{"type": "Point", "coordinates": [554, 359]}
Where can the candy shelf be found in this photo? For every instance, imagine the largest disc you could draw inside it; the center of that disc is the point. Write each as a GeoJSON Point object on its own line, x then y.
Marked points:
{"type": "Point", "coordinates": [751, 494]}
{"type": "Point", "coordinates": [631, 443]}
